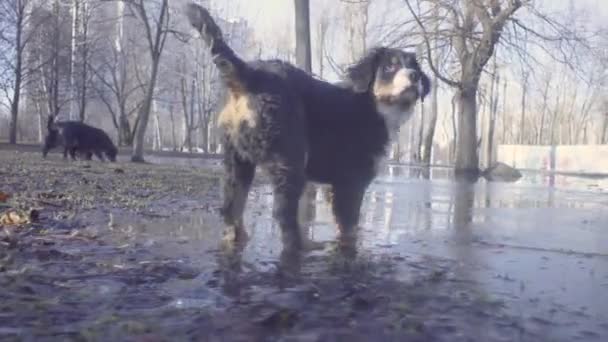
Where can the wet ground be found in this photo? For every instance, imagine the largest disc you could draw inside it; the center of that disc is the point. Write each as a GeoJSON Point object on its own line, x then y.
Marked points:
{"type": "Point", "coordinates": [133, 252]}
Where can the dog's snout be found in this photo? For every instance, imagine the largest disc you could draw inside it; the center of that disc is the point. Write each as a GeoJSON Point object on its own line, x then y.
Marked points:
{"type": "Point", "coordinates": [414, 76]}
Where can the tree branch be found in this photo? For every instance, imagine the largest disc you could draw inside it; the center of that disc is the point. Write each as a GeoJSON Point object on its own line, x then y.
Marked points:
{"type": "Point", "coordinates": [436, 71]}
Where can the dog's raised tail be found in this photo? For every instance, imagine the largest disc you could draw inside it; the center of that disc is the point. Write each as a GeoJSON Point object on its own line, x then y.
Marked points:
{"type": "Point", "coordinates": [228, 63]}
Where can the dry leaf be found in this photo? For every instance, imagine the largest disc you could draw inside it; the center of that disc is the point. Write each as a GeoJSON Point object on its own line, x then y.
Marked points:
{"type": "Point", "coordinates": [4, 197]}
{"type": "Point", "coordinates": [15, 218]}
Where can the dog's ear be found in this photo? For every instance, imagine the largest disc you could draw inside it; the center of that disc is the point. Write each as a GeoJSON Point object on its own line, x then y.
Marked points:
{"type": "Point", "coordinates": [361, 74]}
{"type": "Point", "coordinates": [425, 85]}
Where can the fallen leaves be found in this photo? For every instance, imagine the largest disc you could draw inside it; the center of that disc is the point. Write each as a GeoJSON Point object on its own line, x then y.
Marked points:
{"type": "Point", "coordinates": [16, 218]}
{"type": "Point", "coordinates": [4, 197]}
{"type": "Point", "coordinates": [53, 199]}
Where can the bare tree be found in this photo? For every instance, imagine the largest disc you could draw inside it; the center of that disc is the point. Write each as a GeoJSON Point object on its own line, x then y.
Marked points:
{"type": "Point", "coordinates": [120, 89]}
{"type": "Point", "coordinates": [187, 88]}
{"type": "Point", "coordinates": [156, 32]}
{"type": "Point", "coordinates": [357, 16]}
{"type": "Point", "coordinates": [322, 27]}
{"type": "Point", "coordinates": [306, 209]}
{"type": "Point", "coordinates": [475, 28]}
{"type": "Point", "coordinates": [494, 97]}
{"type": "Point", "coordinates": [82, 46]}
{"type": "Point", "coordinates": [17, 30]}
{"type": "Point", "coordinates": [525, 82]}
{"type": "Point", "coordinates": [206, 99]}
{"type": "Point", "coordinates": [544, 107]}
{"type": "Point", "coordinates": [434, 112]}
{"type": "Point", "coordinates": [51, 49]}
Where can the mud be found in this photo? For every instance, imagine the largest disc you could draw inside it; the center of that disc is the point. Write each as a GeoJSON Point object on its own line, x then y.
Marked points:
{"type": "Point", "coordinates": [132, 252]}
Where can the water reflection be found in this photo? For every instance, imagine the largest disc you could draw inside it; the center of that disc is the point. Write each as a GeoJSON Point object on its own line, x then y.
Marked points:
{"type": "Point", "coordinates": [230, 267]}
{"type": "Point", "coordinates": [494, 237]}
{"type": "Point", "coordinates": [463, 203]}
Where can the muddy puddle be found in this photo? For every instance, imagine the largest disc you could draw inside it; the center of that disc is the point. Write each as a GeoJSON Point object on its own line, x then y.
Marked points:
{"type": "Point", "coordinates": [435, 260]}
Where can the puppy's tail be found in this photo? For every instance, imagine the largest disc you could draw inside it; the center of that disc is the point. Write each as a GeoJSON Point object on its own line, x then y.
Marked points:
{"type": "Point", "coordinates": [231, 67]}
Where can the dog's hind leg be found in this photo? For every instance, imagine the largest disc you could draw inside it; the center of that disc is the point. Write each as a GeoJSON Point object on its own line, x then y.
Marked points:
{"type": "Point", "coordinates": [73, 151]}
{"type": "Point", "coordinates": [238, 177]}
{"type": "Point", "coordinates": [288, 180]}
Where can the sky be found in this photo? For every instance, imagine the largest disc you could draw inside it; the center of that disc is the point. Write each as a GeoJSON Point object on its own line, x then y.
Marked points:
{"type": "Point", "coordinates": [273, 19]}
{"type": "Point", "coordinates": [268, 15]}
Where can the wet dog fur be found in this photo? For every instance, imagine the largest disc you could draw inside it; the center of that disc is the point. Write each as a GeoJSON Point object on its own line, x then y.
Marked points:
{"type": "Point", "coordinates": [299, 128]}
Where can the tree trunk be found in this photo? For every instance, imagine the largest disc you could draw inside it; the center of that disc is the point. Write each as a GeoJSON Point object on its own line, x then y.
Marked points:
{"type": "Point", "coordinates": [18, 78]}
{"type": "Point", "coordinates": [85, 66]}
{"type": "Point", "coordinates": [356, 28]}
{"type": "Point", "coordinates": [205, 136]}
{"type": "Point", "coordinates": [605, 130]}
{"type": "Point", "coordinates": [420, 137]}
{"type": "Point", "coordinates": [306, 212]}
{"type": "Point", "coordinates": [522, 120]}
{"type": "Point", "coordinates": [554, 120]}
{"type": "Point", "coordinates": [144, 115]}
{"type": "Point", "coordinates": [41, 122]}
{"type": "Point", "coordinates": [73, 48]}
{"type": "Point", "coordinates": [430, 134]}
{"type": "Point", "coordinates": [191, 117]}
{"type": "Point", "coordinates": [203, 116]}
{"type": "Point", "coordinates": [125, 138]}
{"type": "Point", "coordinates": [156, 43]}
{"type": "Point", "coordinates": [482, 118]}
{"type": "Point", "coordinates": [504, 112]}
{"type": "Point", "coordinates": [493, 117]}
{"type": "Point", "coordinates": [172, 116]}
{"type": "Point", "coordinates": [321, 33]}
{"type": "Point", "coordinates": [494, 84]}
{"type": "Point", "coordinates": [303, 51]}
{"type": "Point", "coordinates": [159, 139]}
{"type": "Point", "coordinates": [15, 106]}
{"type": "Point", "coordinates": [467, 161]}
{"type": "Point", "coordinates": [55, 62]}
{"type": "Point", "coordinates": [187, 142]}
{"type": "Point", "coordinates": [539, 141]}
{"type": "Point", "coordinates": [454, 129]}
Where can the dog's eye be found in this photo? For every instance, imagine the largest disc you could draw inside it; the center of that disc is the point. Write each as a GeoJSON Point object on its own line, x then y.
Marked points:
{"type": "Point", "coordinates": [390, 68]}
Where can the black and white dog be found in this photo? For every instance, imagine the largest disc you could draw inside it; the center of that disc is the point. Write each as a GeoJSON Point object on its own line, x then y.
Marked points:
{"type": "Point", "coordinates": [299, 128]}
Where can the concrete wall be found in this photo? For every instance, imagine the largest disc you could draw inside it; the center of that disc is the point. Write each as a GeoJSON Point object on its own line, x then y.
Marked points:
{"type": "Point", "coordinates": [565, 158]}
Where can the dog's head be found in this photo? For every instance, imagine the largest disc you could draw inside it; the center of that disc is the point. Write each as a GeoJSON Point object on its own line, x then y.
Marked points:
{"type": "Point", "coordinates": [111, 153]}
{"type": "Point", "coordinates": [393, 77]}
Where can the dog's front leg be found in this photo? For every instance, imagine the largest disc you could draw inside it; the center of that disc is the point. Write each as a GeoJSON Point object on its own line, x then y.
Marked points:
{"type": "Point", "coordinates": [346, 201]}
{"type": "Point", "coordinates": [238, 176]}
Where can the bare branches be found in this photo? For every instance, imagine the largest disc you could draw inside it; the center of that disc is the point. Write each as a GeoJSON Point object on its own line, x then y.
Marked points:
{"type": "Point", "coordinates": [428, 49]}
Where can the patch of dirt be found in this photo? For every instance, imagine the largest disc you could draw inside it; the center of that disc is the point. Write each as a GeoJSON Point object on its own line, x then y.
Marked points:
{"type": "Point", "coordinates": [76, 270]}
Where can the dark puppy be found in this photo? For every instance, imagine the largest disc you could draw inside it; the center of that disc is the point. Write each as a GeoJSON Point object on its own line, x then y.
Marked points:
{"type": "Point", "coordinates": [298, 128]}
{"type": "Point", "coordinates": [77, 137]}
